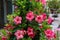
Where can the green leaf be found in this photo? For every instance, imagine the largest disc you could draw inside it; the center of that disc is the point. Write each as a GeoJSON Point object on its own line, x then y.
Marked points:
{"type": "Point", "coordinates": [0, 38]}
{"type": "Point", "coordinates": [3, 31]}
{"type": "Point", "coordinates": [27, 38]}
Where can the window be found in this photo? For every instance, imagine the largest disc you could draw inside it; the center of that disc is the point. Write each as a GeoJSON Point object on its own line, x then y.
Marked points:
{"type": "Point", "coordinates": [5, 8]}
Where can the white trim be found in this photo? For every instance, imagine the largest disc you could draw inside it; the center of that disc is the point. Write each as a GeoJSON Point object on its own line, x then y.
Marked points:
{"type": "Point", "coordinates": [12, 6]}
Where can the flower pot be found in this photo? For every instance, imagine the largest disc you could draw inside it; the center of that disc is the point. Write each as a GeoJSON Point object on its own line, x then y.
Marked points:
{"type": "Point", "coordinates": [54, 11]}
{"type": "Point", "coordinates": [55, 16]}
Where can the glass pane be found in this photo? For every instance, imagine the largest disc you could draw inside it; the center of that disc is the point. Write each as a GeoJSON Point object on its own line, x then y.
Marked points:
{"type": "Point", "coordinates": [9, 6]}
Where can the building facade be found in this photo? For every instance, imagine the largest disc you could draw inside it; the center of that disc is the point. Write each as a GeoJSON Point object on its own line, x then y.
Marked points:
{"type": "Point", "coordinates": [6, 7]}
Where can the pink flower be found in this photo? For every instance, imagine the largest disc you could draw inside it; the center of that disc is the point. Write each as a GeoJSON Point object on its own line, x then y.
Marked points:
{"type": "Point", "coordinates": [49, 33]}
{"type": "Point", "coordinates": [4, 38]}
{"type": "Point", "coordinates": [44, 16]}
{"type": "Point", "coordinates": [32, 35]}
{"type": "Point", "coordinates": [30, 29]}
{"type": "Point", "coordinates": [50, 20]}
{"type": "Point", "coordinates": [43, 2]}
{"type": "Point", "coordinates": [30, 32]}
{"type": "Point", "coordinates": [19, 34]}
{"type": "Point", "coordinates": [30, 16]}
{"type": "Point", "coordinates": [39, 19]}
{"type": "Point", "coordinates": [17, 20]}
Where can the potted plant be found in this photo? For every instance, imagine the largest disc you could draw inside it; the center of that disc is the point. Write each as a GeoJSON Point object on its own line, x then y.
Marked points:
{"type": "Point", "coordinates": [23, 24]}
{"type": "Point", "coordinates": [54, 6]}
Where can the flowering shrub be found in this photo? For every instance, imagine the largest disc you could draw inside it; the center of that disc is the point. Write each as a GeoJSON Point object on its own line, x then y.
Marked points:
{"type": "Point", "coordinates": [29, 22]}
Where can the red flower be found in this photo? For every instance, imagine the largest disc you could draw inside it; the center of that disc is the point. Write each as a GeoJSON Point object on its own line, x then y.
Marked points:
{"type": "Point", "coordinates": [50, 20]}
{"type": "Point", "coordinates": [49, 33]}
{"type": "Point", "coordinates": [4, 38]}
{"type": "Point", "coordinates": [9, 27]}
{"type": "Point", "coordinates": [17, 20]}
{"type": "Point", "coordinates": [39, 19]}
{"type": "Point", "coordinates": [30, 16]}
{"type": "Point", "coordinates": [30, 32]}
{"type": "Point", "coordinates": [55, 36]}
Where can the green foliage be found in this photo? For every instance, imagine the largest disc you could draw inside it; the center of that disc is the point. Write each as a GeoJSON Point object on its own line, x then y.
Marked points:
{"type": "Point", "coordinates": [0, 37]}
{"type": "Point", "coordinates": [43, 37]}
{"type": "Point", "coordinates": [27, 38]}
{"type": "Point", "coordinates": [10, 18]}
{"type": "Point", "coordinates": [24, 6]}
{"type": "Point", "coordinates": [3, 31]}
{"type": "Point", "coordinates": [54, 4]}
{"type": "Point", "coordinates": [12, 37]}
{"type": "Point", "coordinates": [46, 25]}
